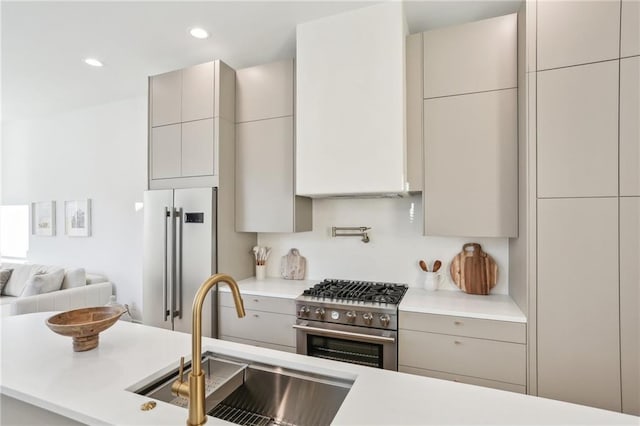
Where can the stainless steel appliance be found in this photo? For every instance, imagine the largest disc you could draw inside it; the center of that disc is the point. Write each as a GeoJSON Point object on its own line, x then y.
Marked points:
{"type": "Point", "coordinates": [179, 254]}
{"type": "Point", "coordinates": [351, 321]}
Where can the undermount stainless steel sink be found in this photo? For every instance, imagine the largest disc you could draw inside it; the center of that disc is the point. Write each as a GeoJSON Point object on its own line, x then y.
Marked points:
{"type": "Point", "coordinates": [246, 392]}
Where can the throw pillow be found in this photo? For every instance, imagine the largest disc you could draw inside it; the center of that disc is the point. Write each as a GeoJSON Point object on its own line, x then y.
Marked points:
{"type": "Point", "coordinates": [74, 278]}
{"type": "Point", "coordinates": [4, 278]}
{"type": "Point", "coordinates": [40, 283]}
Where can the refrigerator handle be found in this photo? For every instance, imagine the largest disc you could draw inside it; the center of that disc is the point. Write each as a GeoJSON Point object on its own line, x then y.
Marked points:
{"type": "Point", "coordinates": [178, 306]}
{"type": "Point", "coordinates": [164, 267]}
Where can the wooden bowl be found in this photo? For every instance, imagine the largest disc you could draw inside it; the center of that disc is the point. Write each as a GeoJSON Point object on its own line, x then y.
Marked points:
{"type": "Point", "coordinates": [84, 325]}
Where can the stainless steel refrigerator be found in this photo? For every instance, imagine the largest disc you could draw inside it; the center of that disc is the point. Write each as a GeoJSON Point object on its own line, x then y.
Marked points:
{"type": "Point", "coordinates": [179, 255]}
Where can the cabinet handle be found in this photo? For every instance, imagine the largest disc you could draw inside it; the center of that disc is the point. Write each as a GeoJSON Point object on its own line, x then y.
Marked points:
{"type": "Point", "coordinates": [458, 322]}
{"type": "Point", "coordinates": [457, 342]}
{"type": "Point", "coordinates": [256, 300]}
{"type": "Point", "coordinates": [256, 316]}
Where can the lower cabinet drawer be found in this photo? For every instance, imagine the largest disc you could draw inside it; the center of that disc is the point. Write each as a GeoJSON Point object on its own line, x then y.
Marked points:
{"type": "Point", "coordinates": [258, 326]}
{"type": "Point", "coordinates": [260, 303]}
{"type": "Point", "coordinates": [486, 359]}
{"type": "Point", "coordinates": [464, 379]}
{"type": "Point", "coordinates": [260, 344]}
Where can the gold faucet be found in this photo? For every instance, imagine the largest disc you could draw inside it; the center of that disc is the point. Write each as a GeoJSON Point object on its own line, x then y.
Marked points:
{"type": "Point", "coordinates": [194, 389]}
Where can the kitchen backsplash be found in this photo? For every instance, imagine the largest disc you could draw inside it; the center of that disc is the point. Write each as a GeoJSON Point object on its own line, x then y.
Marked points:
{"type": "Point", "coordinates": [392, 255]}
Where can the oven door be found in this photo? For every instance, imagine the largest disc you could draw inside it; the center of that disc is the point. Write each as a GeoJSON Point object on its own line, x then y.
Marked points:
{"type": "Point", "coordinates": [358, 345]}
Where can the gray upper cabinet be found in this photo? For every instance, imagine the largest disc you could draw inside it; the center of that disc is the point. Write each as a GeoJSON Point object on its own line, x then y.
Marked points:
{"type": "Point", "coordinates": [265, 91]}
{"type": "Point", "coordinates": [577, 32]}
{"type": "Point", "coordinates": [186, 107]}
{"type": "Point", "coordinates": [629, 303]}
{"type": "Point", "coordinates": [265, 185]}
{"type": "Point", "coordinates": [473, 57]}
{"type": "Point", "coordinates": [578, 301]}
{"type": "Point", "coordinates": [630, 30]}
{"type": "Point", "coordinates": [471, 161]}
{"type": "Point", "coordinates": [197, 92]}
{"type": "Point", "coordinates": [165, 91]}
{"type": "Point", "coordinates": [578, 131]}
{"type": "Point", "coordinates": [470, 129]}
{"type": "Point", "coordinates": [629, 126]}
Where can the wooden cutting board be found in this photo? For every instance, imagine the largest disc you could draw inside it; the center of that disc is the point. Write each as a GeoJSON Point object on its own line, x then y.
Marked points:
{"type": "Point", "coordinates": [473, 270]}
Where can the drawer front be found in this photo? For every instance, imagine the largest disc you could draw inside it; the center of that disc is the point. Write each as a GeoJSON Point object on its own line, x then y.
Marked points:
{"type": "Point", "coordinates": [486, 359]}
{"type": "Point", "coordinates": [462, 326]}
{"type": "Point", "coordinates": [261, 303]}
{"type": "Point", "coordinates": [257, 325]}
{"type": "Point", "coordinates": [290, 349]}
{"type": "Point", "coordinates": [463, 379]}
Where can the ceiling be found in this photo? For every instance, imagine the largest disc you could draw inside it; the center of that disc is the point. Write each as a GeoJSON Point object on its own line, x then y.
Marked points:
{"type": "Point", "coordinates": [43, 44]}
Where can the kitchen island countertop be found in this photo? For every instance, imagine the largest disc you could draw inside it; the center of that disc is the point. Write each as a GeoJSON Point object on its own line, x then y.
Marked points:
{"type": "Point", "coordinates": [40, 368]}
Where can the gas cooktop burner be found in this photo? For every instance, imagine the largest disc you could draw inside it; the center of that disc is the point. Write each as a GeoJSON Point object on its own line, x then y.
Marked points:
{"type": "Point", "coordinates": [359, 291]}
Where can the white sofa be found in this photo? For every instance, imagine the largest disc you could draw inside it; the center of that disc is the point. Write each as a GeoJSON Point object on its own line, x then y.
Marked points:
{"type": "Point", "coordinates": [63, 289]}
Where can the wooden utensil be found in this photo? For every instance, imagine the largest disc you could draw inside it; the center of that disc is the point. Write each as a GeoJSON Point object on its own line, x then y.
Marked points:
{"type": "Point", "coordinates": [423, 266]}
{"type": "Point", "coordinates": [84, 325]}
{"type": "Point", "coordinates": [436, 265]}
{"type": "Point", "coordinates": [473, 270]}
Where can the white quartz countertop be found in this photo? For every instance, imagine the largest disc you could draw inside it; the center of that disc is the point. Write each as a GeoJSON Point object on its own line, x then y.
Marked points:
{"type": "Point", "coordinates": [272, 287]}
{"type": "Point", "coordinates": [499, 307]}
{"type": "Point", "coordinates": [40, 368]}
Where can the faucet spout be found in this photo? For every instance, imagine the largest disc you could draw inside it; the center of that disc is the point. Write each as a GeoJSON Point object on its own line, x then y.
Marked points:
{"type": "Point", "coordinates": [194, 389]}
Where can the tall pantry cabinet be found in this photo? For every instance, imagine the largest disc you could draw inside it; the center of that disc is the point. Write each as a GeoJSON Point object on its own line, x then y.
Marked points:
{"type": "Point", "coordinates": [585, 77]}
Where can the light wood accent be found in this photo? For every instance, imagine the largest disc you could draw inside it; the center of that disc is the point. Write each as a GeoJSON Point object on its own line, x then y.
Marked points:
{"type": "Point", "coordinates": [197, 92]}
{"type": "Point", "coordinates": [630, 30]}
{"type": "Point", "coordinates": [472, 57]}
{"type": "Point", "coordinates": [487, 359]}
{"type": "Point", "coordinates": [165, 91]}
{"type": "Point", "coordinates": [630, 126]}
{"type": "Point", "coordinates": [463, 326]}
{"type": "Point", "coordinates": [265, 91]}
{"type": "Point", "coordinates": [197, 152]}
{"type": "Point", "coordinates": [166, 151]}
{"type": "Point", "coordinates": [577, 32]}
{"type": "Point", "coordinates": [471, 145]}
{"type": "Point", "coordinates": [463, 379]}
{"type": "Point", "coordinates": [578, 131]}
{"type": "Point", "coordinates": [84, 325]}
{"type": "Point", "coordinates": [630, 303]}
{"type": "Point", "coordinates": [473, 270]}
{"type": "Point", "coordinates": [578, 307]}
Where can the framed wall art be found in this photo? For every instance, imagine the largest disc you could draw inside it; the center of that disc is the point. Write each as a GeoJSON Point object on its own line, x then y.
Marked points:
{"type": "Point", "coordinates": [43, 218]}
{"type": "Point", "coordinates": [77, 218]}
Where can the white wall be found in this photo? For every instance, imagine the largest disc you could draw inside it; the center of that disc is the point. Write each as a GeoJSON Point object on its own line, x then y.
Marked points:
{"type": "Point", "coordinates": [97, 153]}
{"type": "Point", "coordinates": [395, 248]}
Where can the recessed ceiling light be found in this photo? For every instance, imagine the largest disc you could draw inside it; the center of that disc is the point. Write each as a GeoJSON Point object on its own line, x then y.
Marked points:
{"type": "Point", "coordinates": [93, 62]}
{"type": "Point", "coordinates": [198, 33]}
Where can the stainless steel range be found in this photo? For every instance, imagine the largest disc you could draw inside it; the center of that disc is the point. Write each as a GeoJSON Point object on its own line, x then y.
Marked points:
{"type": "Point", "coordinates": [351, 321]}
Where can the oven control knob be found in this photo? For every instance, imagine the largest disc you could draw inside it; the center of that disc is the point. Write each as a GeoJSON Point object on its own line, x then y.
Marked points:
{"type": "Point", "coordinates": [351, 316]}
{"type": "Point", "coordinates": [368, 318]}
{"type": "Point", "coordinates": [335, 315]}
{"type": "Point", "coordinates": [304, 311]}
{"type": "Point", "coordinates": [384, 320]}
{"type": "Point", "coordinates": [320, 313]}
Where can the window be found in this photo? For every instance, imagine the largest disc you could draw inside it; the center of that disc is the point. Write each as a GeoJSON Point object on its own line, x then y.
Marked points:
{"type": "Point", "coordinates": [14, 232]}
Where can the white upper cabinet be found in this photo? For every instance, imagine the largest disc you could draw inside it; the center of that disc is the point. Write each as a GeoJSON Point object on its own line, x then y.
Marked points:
{"type": "Point", "coordinates": [577, 32]}
{"type": "Point", "coordinates": [578, 131]}
{"type": "Point", "coordinates": [165, 91]}
{"type": "Point", "coordinates": [630, 30]}
{"type": "Point", "coordinates": [350, 101]}
{"type": "Point", "coordinates": [473, 57]}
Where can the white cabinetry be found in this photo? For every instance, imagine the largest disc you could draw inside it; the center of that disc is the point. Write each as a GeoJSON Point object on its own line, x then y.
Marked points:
{"type": "Point", "coordinates": [470, 129]}
{"type": "Point", "coordinates": [265, 188]}
{"type": "Point", "coordinates": [350, 101]}
{"type": "Point", "coordinates": [630, 28]}
{"type": "Point", "coordinates": [630, 126]}
{"type": "Point", "coordinates": [268, 322]}
{"type": "Point", "coordinates": [469, 350]}
{"type": "Point", "coordinates": [189, 111]}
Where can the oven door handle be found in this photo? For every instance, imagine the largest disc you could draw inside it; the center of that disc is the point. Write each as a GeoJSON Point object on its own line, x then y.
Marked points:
{"type": "Point", "coordinates": [348, 334]}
